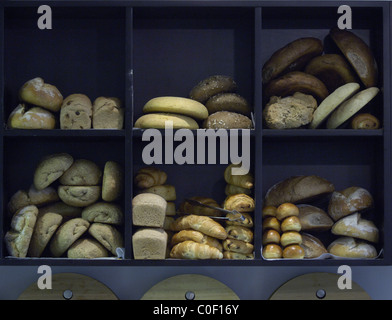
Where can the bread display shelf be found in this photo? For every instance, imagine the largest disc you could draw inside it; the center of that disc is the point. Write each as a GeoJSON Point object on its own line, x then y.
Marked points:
{"type": "Point", "coordinates": [110, 48]}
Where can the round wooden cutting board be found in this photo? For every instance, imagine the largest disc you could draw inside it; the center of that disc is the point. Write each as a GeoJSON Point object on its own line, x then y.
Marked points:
{"type": "Point", "coordinates": [69, 286]}
{"type": "Point", "coordinates": [318, 286]}
{"type": "Point", "coordinates": [190, 287]}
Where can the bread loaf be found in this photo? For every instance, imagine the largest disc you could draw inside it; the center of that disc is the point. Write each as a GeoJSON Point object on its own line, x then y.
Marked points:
{"type": "Point", "coordinates": [349, 200]}
{"type": "Point", "coordinates": [313, 218]}
{"type": "Point", "coordinates": [356, 227]}
{"type": "Point", "coordinates": [76, 112]}
{"type": "Point", "coordinates": [107, 113]}
{"type": "Point", "coordinates": [297, 189]}
{"type": "Point", "coordinates": [41, 94]}
{"type": "Point", "coordinates": [312, 246]}
{"type": "Point", "coordinates": [349, 247]}
{"type": "Point", "coordinates": [33, 118]}
{"type": "Point", "coordinates": [149, 243]}
{"type": "Point", "coordinates": [104, 212]}
{"type": "Point", "coordinates": [17, 239]}
{"type": "Point", "coordinates": [82, 172]}
{"type": "Point", "coordinates": [148, 210]}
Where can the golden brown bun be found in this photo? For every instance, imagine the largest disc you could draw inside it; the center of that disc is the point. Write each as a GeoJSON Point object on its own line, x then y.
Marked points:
{"type": "Point", "coordinates": [150, 176]}
{"type": "Point", "coordinates": [41, 94]}
{"type": "Point", "coordinates": [312, 246]}
{"type": "Point", "coordinates": [332, 69]}
{"type": "Point", "coordinates": [365, 121]}
{"type": "Point", "coordinates": [297, 189]}
{"type": "Point", "coordinates": [272, 251]}
{"type": "Point", "coordinates": [193, 250]}
{"type": "Point", "coordinates": [271, 223]}
{"type": "Point", "coordinates": [227, 120]}
{"type": "Point", "coordinates": [33, 118]}
{"type": "Point", "coordinates": [269, 211]}
{"type": "Point", "coordinates": [357, 227]}
{"type": "Point", "coordinates": [291, 224]}
{"type": "Point", "coordinates": [296, 81]}
{"type": "Point", "coordinates": [228, 101]}
{"type": "Point", "coordinates": [286, 210]}
{"type": "Point", "coordinates": [293, 252]}
{"type": "Point", "coordinates": [211, 86]}
{"type": "Point", "coordinates": [349, 247]}
{"type": "Point", "coordinates": [290, 237]}
{"type": "Point", "coordinates": [349, 200]}
{"type": "Point", "coordinates": [240, 202]}
{"type": "Point", "coordinates": [200, 223]}
{"type": "Point", "coordinates": [292, 56]}
{"type": "Point", "coordinates": [358, 53]}
{"type": "Point", "coordinates": [313, 218]}
{"type": "Point", "coordinates": [271, 236]}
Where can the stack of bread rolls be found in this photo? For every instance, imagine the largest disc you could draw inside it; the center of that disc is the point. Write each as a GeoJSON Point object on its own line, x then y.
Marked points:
{"type": "Point", "coordinates": [323, 213]}
{"type": "Point", "coordinates": [70, 210]}
{"type": "Point", "coordinates": [341, 83]}
{"type": "Point", "coordinates": [42, 106]}
{"type": "Point", "coordinates": [152, 213]}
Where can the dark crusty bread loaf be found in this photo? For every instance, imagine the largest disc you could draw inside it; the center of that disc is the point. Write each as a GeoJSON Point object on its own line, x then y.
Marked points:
{"type": "Point", "coordinates": [297, 189]}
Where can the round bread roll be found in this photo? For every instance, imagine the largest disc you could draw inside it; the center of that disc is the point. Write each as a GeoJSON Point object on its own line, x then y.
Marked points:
{"type": "Point", "coordinates": [33, 118]}
{"type": "Point", "coordinates": [50, 168]}
{"type": "Point", "coordinates": [349, 247]}
{"type": "Point", "coordinates": [211, 86]}
{"type": "Point", "coordinates": [269, 211]}
{"type": "Point", "coordinates": [103, 212]}
{"type": "Point", "coordinates": [82, 172]}
{"type": "Point", "coordinates": [312, 246]}
{"type": "Point", "coordinates": [313, 218]}
{"type": "Point", "coordinates": [271, 236]}
{"type": "Point", "coordinates": [290, 237]}
{"type": "Point", "coordinates": [107, 235]}
{"type": "Point", "coordinates": [271, 223]}
{"type": "Point", "coordinates": [349, 200]}
{"type": "Point", "coordinates": [291, 224]}
{"type": "Point", "coordinates": [293, 251]}
{"type": "Point", "coordinates": [66, 235]}
{"type": "Point", "coordinates": [272, 251]}
{"type": "Point", "coordinates": [41, 94]}
{"type": "Point", "coordinates": [228, 101]}
{"type": "Point", "coordinates": [79, 196]}
{"type": "Point", "coordinates": [112, 181]}
{"type": "Point", "coordinates": [86, 249]}
{"type": "Point", "coordinates": [286, 210]}
{"type": "Point", "coordinates": [227, 120]}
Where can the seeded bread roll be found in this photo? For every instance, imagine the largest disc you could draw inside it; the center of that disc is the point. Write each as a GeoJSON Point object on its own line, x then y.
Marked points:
{"type": "Point", "coordinates": [349, 247]}
{"type": "Point", "coordinates": [112, 181]}
{"type": "Point", "coordinates": [66, 235]}
{"type": "Point", "coordinates": [33, 118]}
{"type": "Point", "coordinates": [149, 243]}
{"type": "Point", "coordinates": [46, 225]}
{"type": "Point", "coordinates": [107, 113]}
{"type": "Point", "coordinates": [349, 200]}
{"type": "Point", "coordinates": [86, 249]}
{"type": "Point", "coordinates": [41, 94]}
{"type": "Point", "coordinates": [227, 120]}
{"type": "Point", "coordinates": [103, 212]}
{"type": "Point", "coordinates": [50, 168]}
{"type": "Point", "coordinates": [18, 238]}
{"type": "Point", "coordinates": [82, 172]}
{"type": "Point", "coordinates": [297, 189]}
{"type": "Point", "coordinates": [148, 210]}
{"type": "Point", "coordinates": [76, 112]}
{"type": "Point", "coordinates": [107, 235]}
{"type": "Point", "coordinates": [79, 196]}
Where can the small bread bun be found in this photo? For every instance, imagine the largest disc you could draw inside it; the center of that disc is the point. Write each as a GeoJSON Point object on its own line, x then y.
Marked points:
{"type": "Point", "coordinates": [291, 237]}
{"type": "Point", "coordinates": [291, 224]}
{"type": "Point", "coordinates": [272, 251]}
{"type": "Point", "coordinates": [269, 211]}
{"type": "Point", "coordinates": [271, 223]}
{"type": "Point", "coordinates": [293, 252]}
{"type": "Point", "coordinates": [271, 236]}
{"type": "Point", "coordinates": [286, 210]}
